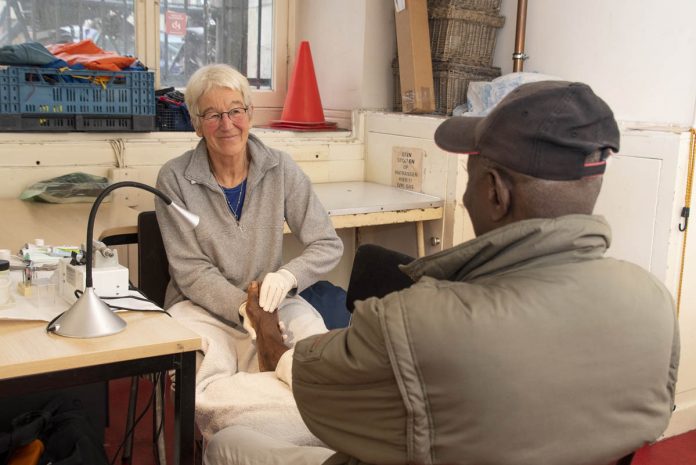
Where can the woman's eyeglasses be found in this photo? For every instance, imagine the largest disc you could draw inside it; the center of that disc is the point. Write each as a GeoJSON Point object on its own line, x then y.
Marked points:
{"type": "Point", "coordinates": [235, 114]}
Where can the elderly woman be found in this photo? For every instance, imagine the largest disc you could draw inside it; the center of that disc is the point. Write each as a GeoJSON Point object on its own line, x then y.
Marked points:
{"type": "Point", "coordinates": [243, 192]}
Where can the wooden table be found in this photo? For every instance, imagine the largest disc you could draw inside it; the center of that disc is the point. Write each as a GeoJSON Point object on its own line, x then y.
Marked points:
{"type": "Point", "coordinates": [32, 360]}
{"type": "Point", "coordinates": [57, 224]}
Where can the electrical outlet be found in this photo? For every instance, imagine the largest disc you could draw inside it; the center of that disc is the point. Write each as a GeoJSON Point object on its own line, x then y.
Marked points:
{"type": "Point", "coordinates": [127, 197]}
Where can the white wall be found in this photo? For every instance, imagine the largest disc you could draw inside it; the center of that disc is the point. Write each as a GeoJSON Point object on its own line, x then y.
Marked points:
{"type": "Point", "coordinates": [637, 54]}
{"type": "Point", "coordinates": [380, 48]}
{"type": "Point", "coordinates": [337, 45]}
{"type": "Point", "coordinates": [353, 43]}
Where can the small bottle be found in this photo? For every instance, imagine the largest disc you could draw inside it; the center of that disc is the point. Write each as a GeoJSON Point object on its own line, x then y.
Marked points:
{"type": "Point", "coordinates": [4, 269]}
{"type": "Point", "coordinates": [4, 282]}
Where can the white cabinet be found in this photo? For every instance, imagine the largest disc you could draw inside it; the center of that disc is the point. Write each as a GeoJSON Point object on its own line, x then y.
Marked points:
{"type": "Point", "coordinates": [642, 198]}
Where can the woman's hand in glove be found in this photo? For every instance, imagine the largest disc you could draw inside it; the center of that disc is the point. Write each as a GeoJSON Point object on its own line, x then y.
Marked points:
{"type": "Point", "coordinates": [274, 288]}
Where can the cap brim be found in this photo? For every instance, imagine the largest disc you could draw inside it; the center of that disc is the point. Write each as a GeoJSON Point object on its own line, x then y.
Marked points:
{"type": "Point", "coordinates": [458, 134]}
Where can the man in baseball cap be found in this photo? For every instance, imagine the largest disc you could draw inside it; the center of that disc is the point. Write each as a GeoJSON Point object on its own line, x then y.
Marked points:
{"type": "Point", "coordinates": [552, 137]}
{"type": "Point", "coordinates": [525, 345]}
{"type": "Point", "coordinates": [544, 129]}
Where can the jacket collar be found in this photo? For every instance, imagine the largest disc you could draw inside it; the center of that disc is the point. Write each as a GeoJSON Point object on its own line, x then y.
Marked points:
{"type": "Point", "coordinates": [520, 244]}
{"type": "Point", "coordinates": [262, 159]}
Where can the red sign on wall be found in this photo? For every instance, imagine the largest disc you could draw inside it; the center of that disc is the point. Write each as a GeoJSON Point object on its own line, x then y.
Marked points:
{"type": "Point", "coordinates": [175, 23]}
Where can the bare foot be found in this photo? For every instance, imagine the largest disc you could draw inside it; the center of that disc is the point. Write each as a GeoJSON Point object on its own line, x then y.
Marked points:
{"type": "Point", "coordinates": [269, 338]}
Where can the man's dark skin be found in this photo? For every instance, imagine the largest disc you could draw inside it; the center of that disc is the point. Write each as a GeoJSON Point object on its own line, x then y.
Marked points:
{"type": "Point", "coordinates": [495, 196]}
{"type": "Point", "coordinates": [269, 339]}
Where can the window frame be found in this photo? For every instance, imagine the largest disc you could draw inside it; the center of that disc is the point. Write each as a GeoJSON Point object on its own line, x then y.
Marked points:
{"type": "Point", "coordinates": [266, 101]}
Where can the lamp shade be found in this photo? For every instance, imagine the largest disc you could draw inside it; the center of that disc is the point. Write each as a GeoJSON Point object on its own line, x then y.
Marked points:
{"type": "Point", "coordinates": [89, 316]}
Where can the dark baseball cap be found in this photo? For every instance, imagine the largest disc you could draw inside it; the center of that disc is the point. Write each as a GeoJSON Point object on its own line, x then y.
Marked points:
{"type": "Point", "coordinates": [542, 129]}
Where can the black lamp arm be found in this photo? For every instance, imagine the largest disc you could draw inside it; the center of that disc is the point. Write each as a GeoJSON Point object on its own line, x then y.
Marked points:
{"type": "Point", "coordinates": [93, 215]}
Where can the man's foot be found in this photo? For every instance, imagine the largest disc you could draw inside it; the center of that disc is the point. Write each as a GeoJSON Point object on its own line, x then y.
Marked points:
{"type": "Point", "coordinates": [269, 337]}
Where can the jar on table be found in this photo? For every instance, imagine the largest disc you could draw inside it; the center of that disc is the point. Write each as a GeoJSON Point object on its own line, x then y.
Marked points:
{"type": "Point", "coordinates": [4, 282]}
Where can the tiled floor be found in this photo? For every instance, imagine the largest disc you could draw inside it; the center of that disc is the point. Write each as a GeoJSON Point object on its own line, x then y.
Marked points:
{"type": "Point", "coordinates": [678, 450]}
{"type": "Point", "coordinates": [143, 451]}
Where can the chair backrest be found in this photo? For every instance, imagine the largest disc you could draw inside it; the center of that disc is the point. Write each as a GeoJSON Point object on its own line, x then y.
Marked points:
{"type": "Point", "coordinates": [153, 266]}
{"type": "Point", "coordinates": [376, 273]}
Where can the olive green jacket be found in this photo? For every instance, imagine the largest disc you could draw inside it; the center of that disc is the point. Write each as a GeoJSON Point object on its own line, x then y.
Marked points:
{"type": "Point", "coordinates": [524, 346]}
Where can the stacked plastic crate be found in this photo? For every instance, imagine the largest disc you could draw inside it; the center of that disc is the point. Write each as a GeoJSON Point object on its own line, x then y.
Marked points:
{"type": "Point", "coordinates": [462, 43]}
{"type": "Point", "coordinates": [53, 100]}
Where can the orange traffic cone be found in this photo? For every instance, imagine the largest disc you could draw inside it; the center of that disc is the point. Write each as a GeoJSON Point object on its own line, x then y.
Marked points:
{"type": "Point", "coordinates": [302, 110]}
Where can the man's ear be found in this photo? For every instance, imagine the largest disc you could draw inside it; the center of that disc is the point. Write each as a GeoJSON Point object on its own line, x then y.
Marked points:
{"type": "Point", "coordinates": [499, 196]}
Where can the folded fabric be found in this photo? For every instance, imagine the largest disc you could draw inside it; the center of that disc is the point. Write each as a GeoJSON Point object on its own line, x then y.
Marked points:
{"type": "Point", "coordinates": [89, 55]}
{"type": "Point", "coordinates": [27, 54]}
{"type": "Point", "coordinates": [69, 188]}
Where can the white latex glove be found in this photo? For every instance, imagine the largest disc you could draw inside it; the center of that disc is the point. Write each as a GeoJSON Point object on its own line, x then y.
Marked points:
{"type": "Point", "coordinates": [246, 322]}
{"type": "Point", "coordinates": [274, 288]}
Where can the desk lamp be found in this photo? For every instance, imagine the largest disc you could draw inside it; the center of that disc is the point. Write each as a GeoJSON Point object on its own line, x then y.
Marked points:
{"type": "Point", "coordinates": [89, 316]}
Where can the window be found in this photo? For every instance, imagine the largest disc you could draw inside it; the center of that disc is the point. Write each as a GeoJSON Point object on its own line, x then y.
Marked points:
{"type": "Point", "coordinates": [109, 24]}
{"type": "Point", "coordinates": [195, 32]}
{"type": "Point", "coordinates": [172, 37]}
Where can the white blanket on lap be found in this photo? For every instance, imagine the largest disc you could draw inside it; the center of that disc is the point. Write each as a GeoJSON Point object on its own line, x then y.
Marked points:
{"type": "Point", "coordinates": [226, 396]}
{"type": "Point", "coordinates": [258, 401]}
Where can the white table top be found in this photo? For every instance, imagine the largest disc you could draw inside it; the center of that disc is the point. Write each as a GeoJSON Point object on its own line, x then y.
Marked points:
{"type": "Point", "coordinates": [350, 198]}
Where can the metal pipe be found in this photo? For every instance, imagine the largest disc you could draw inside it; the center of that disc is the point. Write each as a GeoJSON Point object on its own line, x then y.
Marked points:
{"type": "Point", "coordinates": [519, 56]}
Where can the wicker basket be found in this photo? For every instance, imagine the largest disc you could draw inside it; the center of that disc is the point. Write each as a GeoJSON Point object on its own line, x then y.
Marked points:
{"type": "Point", "coordinates": [481, 5]}
{"type": "Point", "coordinates": [463, 36]}
{"type": "Point", "coordinates": [451, 81]}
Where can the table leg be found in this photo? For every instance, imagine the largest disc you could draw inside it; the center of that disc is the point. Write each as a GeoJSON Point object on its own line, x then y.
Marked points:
{"type": "Point", "coordinates": [184, 407]}
{"type": "Point", "coordinates": [420, 237]}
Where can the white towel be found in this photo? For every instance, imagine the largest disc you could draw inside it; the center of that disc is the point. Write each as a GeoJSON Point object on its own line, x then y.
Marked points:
{"type": "Point", "coordinates": [258, 401]}
{"type": "Point", "coordinates": [229, 389]}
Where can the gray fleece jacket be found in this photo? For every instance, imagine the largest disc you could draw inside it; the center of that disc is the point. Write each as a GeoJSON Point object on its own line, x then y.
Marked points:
{"type": "Point", "coordinates": [213, 264]}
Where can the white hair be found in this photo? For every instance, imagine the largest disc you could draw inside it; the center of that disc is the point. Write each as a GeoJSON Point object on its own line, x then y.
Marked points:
{"type": "Point", "coordinates": [210, 76]}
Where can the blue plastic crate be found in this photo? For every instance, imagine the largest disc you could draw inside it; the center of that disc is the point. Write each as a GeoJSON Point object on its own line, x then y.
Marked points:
{"type": "Point", "coordinates": [173, 119]}
{"type": "Point", "coordinates": [45, 91]}
{"type": "Point", "coordinates": [70, 123]}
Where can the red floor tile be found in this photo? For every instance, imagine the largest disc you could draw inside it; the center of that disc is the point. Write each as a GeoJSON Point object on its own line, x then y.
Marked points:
{"type": "Point", "coordinates": [677, 450]}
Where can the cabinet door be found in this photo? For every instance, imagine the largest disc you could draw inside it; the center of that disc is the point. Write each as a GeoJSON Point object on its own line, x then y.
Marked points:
{"type": "Point", "coordinates": [642, 198]}
{"type": "Point", "coordinates": [629, 202]}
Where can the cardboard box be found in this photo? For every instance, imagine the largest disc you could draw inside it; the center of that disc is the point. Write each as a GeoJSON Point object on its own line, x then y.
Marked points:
{"type": "Point", "coordinates": [415, 66]}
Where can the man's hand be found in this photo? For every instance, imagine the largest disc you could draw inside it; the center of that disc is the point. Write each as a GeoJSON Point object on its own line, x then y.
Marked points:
{"type": "Point", "coordinates": [275, 287]}
{"type": "Point", "coordinates": [269, 337]}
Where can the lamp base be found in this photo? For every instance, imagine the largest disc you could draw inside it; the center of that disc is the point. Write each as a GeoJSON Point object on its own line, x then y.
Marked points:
{"type": "Point", "coordinates": [88, 317]}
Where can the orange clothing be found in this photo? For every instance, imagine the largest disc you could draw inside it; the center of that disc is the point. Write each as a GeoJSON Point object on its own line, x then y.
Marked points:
{"type": "Point", "coordinates": [88, 54]}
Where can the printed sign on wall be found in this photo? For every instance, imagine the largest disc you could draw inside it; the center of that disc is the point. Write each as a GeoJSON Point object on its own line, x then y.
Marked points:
{"type": "Point", "coordinates": [407, 168]}
{"type": "Point", "coordinates": [175, 23]}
